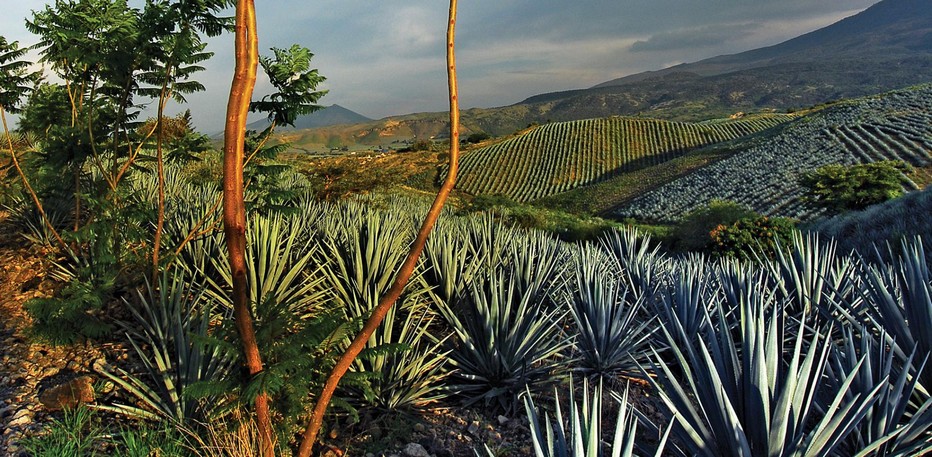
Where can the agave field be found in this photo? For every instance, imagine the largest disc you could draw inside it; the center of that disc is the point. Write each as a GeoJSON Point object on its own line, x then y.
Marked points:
{"type": "Point", "coordinates": [813, 353]}
{"type": "Point", "coordinates": [557, 157]}
{"type": "Point", "coordinates": [893, 126]}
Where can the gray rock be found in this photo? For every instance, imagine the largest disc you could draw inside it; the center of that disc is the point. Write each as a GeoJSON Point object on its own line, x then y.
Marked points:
{"type": "Point", "coordinates": [502, 420]}
{"type": "Point", "coordinates": [473, 428]}
{"type": "Point", "coordinates": [416, 450]}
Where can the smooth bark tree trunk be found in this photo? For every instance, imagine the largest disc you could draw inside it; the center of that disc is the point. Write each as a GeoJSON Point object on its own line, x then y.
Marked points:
{"type": "Point", "coordinates": [406, 270]}
{"type": "Point", "coordinates": [234, 209]}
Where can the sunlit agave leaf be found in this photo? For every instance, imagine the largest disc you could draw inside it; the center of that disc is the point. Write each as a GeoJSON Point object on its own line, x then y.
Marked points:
{"type": "Point", "coordinates": [612, 333]}
{"type": "Point", "coordinates": [757, 392]}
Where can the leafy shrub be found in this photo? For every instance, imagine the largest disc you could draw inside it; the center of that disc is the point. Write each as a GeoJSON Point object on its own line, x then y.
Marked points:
{"type": "Point", "coordinates": [749, 237]}
{"type": "Point", "coordinates": [840, 188]}
{"type": "Point", "coordinates": [75, 313]}
{"type": "Point", "coordinates": [693, 233]}
{"type": "Point", "coordinates": [477, 137]}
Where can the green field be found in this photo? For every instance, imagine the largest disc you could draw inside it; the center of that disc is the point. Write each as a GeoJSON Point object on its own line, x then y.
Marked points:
{"type": "Point", "coordinates": [558, 157]}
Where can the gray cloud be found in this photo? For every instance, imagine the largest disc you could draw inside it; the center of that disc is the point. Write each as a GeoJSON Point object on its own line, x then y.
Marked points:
{"type": "Point", "coordinates": [710, 35]}
{"type": "Point", "coordinates": [386, 57]}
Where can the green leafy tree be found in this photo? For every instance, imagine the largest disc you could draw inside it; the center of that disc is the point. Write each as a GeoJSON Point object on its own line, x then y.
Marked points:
{"type": "Point", "coordinates": [175, 52]}
{"type": "Point", "coordinates": [840, 188]}
{"type": "Point", "coordinates": [289, 71]}
{"type": "Point", "coordinates": [15, 82]}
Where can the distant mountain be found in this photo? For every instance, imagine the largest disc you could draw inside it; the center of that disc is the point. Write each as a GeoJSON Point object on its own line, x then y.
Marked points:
{"type": "Point", "coordinates": [331, 115]}
{"type": "Point", "coordinates": [888, 29]}
{"type": "Point", "coordinates": [885, 47]}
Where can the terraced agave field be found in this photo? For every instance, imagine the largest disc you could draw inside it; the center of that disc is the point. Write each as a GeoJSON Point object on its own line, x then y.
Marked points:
{"type": "Point", "coordinates": [892, 126]}
{"type": "Point", "coordinates": [561, 156]}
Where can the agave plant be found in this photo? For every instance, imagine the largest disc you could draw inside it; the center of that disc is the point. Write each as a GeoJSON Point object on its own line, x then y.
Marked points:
{"type": "Point", "coordinates": [810, 277]}
{"type": "Point", "coordinates": [448, 264]}
{"type": "Point", "coordinates": [581, 434]}
{"type": "Point", "coordinates": [900, 422]}
{"type": "Point", "coordinates": [505, 341]}
{"type": "Point", "coordinates": [757, 390]}
{"type": "Point", "coordinates": [611, 335]}
{"type": "Point", "coordinates": [896, 299]}
{"type": "Point", "coordinates": [278, 264]}
{"type": "Point", "coordinates": [403, 360]}
{"type": "Point", "coordinates": [170, 325]}
{"type": "Point", "coordinates": [687, 300]}
{"type": "Point", "coordinates": [635, 260]}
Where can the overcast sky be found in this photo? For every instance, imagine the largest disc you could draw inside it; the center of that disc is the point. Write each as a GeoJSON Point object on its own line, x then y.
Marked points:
{"type": "Point", "coordinates": [386, 57]}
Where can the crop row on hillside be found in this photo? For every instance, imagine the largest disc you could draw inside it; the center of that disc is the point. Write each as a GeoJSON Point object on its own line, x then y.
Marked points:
{"type": "Point", "coordinates": [894, 126]}
{"type": "Point", "coordinates": [561, 156]}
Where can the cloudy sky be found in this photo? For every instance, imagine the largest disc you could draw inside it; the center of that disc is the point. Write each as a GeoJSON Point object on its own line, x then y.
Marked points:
{"type": "Point", "coordinates": [386, 57]}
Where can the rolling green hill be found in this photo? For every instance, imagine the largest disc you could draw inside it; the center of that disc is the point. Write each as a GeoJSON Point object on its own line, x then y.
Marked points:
{"type": "Point", "coordinates": [557, 157]}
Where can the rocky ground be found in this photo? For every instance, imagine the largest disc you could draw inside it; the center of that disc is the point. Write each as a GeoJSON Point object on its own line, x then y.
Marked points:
{"type": "Point", "coordinates": [28, 369]}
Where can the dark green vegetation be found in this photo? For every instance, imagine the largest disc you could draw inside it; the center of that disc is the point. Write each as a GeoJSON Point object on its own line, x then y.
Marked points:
{"type": "Point", "coordinates": [557, 157]}
{"type": "Point", "coordinates": [837, 188]}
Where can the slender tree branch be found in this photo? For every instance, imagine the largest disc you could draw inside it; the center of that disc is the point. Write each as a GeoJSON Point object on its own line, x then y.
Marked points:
{"type": "Point", "coordinates": [407, 268]}
{"type": "Point", "coordinates": [32, 193]}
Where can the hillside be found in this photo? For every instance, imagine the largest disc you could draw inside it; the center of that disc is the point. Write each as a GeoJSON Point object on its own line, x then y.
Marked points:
{"type": "Point", "coordinates": [886, 47]}
{"type": "Point", "coordinates": [909, 215]}
{"type": "Point", "coordinates": [888, 29]}
{"type": "Point", "coordinates": [331, 115]}
{"type": "Point", "coordinates": [896, 125]}
{"type": "Point", "coordinates": [557, 157]}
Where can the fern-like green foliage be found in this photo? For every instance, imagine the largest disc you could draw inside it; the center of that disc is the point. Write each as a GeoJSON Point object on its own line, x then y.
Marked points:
{"type": "Point", "coordinates": [74, 314]}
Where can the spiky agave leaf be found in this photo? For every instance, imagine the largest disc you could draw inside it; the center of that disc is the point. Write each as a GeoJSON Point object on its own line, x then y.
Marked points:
{"type": "Point", "coordinates": [505, 341]}
{"type": "Point", "coordinates": [639, 264]}
{"type": "Point", "coordinates": [686, 301]}
{"type": "Point", "coordinates": [581, 434]}
{"type": "Point", "coordinates": [809, 276]}
{"type": "Point", "coordinates": [611, 334]}
{"type": "Point", "coordinates": [899, 423]}
{"type": "Point", "coordinates": [278, 264]}
{"type": "Point", "coordinates": [755, 391]}
{"type": "Point", "coordinates": [170, 325]}
{"type": "Point", "coordinates": [896, 299]}
{"type": "Point", "coordinates": [406, 361]}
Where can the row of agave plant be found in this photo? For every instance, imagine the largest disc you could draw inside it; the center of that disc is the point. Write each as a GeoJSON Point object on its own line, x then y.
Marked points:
{"type": "Point", "coordinates": [811, 353]}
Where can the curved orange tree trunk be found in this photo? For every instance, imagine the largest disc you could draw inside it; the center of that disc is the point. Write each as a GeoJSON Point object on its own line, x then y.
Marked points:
{"type": "Point", "coordinates": [234, 208]}
{"type": "Point", "coordinates": [406, 270]}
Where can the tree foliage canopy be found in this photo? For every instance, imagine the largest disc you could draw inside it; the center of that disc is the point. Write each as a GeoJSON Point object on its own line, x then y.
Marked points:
{"type": "Point", "coordinates": [840, 188]}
